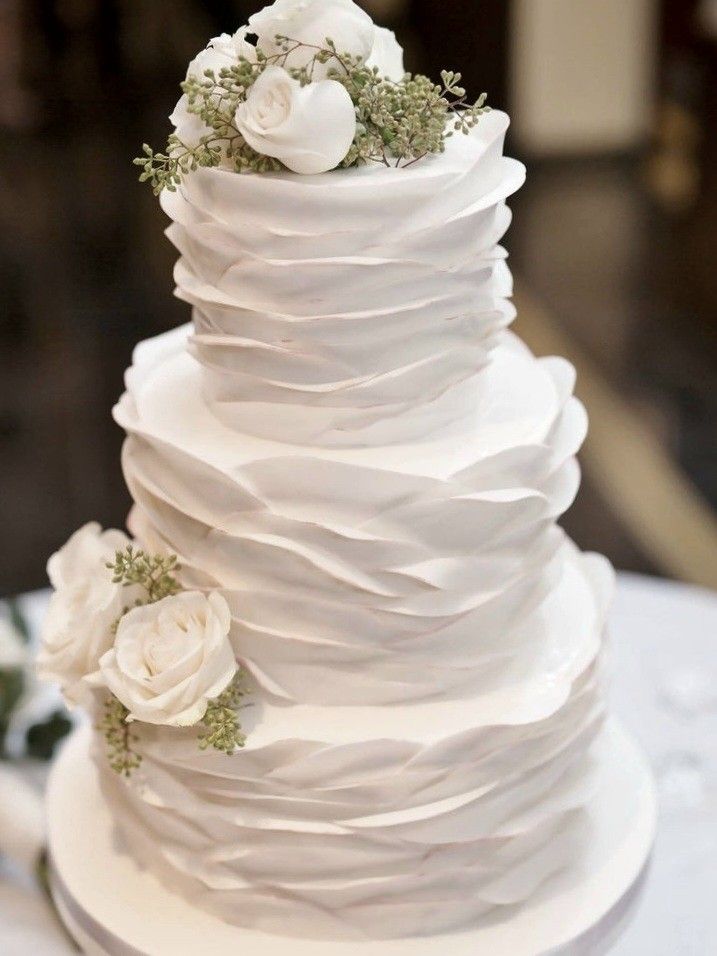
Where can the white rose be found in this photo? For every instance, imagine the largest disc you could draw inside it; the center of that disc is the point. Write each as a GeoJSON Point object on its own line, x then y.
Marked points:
{"type": "Point", "coordinates": [310, 128]}
{"type": "Point", "coordinates": [187, 126]}
{"type": "Point", "coordinates": [171, 658]}
{"type": "Point", "coordinates": [86, 604]}
{"type": "Point", "coordinates": [311, 22]}
{"type": "Point", "coordinates": [222, 51]}
{"type": "Point", "coordinates": [387, 55]}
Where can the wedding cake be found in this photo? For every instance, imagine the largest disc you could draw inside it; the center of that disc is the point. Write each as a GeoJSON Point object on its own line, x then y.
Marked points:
{"type": "Point", "coordinates": [346, 681]}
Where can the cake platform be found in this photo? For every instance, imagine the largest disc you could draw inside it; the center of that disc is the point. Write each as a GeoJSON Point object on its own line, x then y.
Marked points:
{"type": "Point", "coordinates": [114, 908]}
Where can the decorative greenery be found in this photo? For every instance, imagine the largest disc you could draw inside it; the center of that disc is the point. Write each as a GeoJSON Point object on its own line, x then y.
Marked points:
{"type": "Point", "coordinates": [401, 123]}
{"type": "Point", "coordinates": [153, 573]}
{"type": "Point", "coordinates": [223, 730]}
{"type": "Point", "coordinates": [122, 756]}
{"type": "Point", "coordinates": [398, 122]}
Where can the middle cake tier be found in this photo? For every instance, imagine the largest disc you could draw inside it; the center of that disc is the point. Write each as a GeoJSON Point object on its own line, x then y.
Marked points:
{"type": "Point", "coordinates": [369, 576]}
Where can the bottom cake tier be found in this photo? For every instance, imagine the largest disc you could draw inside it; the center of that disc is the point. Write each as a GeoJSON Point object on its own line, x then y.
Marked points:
{"type": "Point", "coordinates": [113, 907]}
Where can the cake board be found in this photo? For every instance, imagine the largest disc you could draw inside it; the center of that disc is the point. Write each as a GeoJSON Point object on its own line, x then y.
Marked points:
{"type": "Point", "coordinates": [113, 907]}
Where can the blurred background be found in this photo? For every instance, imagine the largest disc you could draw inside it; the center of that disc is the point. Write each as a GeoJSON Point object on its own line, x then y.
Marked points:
{"type": "Point", "coordinates": [614, 243]}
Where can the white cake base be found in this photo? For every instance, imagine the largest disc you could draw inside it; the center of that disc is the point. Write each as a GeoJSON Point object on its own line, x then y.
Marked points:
{"type": "Point", "coordinates": [115, 908]}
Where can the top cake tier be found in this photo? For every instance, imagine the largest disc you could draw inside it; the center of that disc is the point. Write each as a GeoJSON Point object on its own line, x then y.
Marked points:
{"type": "Point", "coordinates": [352, 308]}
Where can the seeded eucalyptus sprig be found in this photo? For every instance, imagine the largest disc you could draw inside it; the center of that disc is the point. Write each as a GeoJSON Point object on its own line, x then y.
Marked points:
{"type": "Point", "coordinates": [401, 123]}
{"type": "Point", "coordinates": [119, 739]}
{"type": "Point", "coordinates": [221, 720]}
{"type": "Point", "coordinates": [154, 573]}
{"type": "Point", "coordinates": [397, 122]}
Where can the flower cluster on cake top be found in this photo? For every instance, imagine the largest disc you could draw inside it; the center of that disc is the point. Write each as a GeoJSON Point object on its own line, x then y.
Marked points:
{"type": "Point", "coordinates": [121, 633]}
{"type": "Point", "coordinates": [308, 86]}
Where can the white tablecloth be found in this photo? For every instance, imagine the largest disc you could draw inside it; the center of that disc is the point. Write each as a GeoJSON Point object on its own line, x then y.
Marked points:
{"type": "Point", "coordinates": [665, 691]}
{"type": "Point", "coordinates": [664, 650]}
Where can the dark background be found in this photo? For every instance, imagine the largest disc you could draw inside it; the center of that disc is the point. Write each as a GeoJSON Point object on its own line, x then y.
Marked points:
{"type": "Point", "coordinates": [617, 245]}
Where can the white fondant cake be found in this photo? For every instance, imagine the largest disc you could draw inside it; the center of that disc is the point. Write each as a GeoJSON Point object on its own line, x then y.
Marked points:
{"type": "Point", "coordinates": [350, 447]}
{"type": "Point", "coordinates": [369, 468]}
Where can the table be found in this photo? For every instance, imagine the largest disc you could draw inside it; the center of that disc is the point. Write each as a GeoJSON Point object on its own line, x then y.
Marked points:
{"type": "Point", "coordinates": [665, 691]}
{"type": "Point", "coordinates": [663, 650]}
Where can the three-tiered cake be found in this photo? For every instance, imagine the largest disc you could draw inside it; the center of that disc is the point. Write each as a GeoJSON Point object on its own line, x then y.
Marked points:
{"type": "Point", "coordinates": [350, 450]}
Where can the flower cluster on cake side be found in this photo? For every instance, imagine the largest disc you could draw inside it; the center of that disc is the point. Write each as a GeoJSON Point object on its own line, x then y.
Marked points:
{"type": "Point", "coordinates": [321, 87]}
{"type": "Point", "coordinates": [122, 637]}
